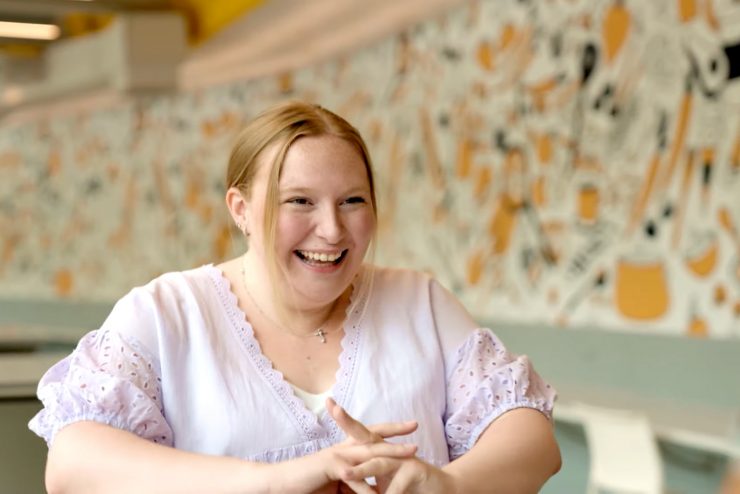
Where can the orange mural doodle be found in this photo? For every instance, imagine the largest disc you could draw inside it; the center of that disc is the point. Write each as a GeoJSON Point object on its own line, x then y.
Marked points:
{"type": "Point", "coordinates": [698, 327]}
{"type": "Point", "coordinates": [735, 156]}
{"type": "Point", "coordinates": [588, 203]}
{"type": "Point", "coordinates": [54, 163]}
{"type": "Point", "coordinates": [614, 29]}
{"type": "Point", "coordinates": [727, 223]}
{"type": "Point", "coordinates": [434, 165]}
{"type": "Point", "coordinates": [686, 10]}
{"type": "Point", "coordinates": [464, 161]}
{"type": "Point", "coordinates": [502, 224]}
{"type": "Point", "coordinates": [63, 282]}
{"type": "Point", "coordinates": [483, 180]}
{"type": "Point", "coordinates": [474, 270]}
{"type": "Point", "coordinates": [641, 288]}
{"type": "Point", "coordinates": [702, 254]}
{"type": "Point", "coordinates": [679, 137]}
{"type": "Point", "coordinates": [643, 198]}
{"type": "Point", "coordinates": [683, 198]}
{"type": "Point", "coordinates": [720, 294]}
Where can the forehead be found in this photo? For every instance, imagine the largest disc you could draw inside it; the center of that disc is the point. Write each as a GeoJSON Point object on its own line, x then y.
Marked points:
{"type": "Point", "coordinates": [321, 159]}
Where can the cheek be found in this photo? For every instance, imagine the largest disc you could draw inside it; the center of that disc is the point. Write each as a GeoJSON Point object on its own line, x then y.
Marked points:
{"type": "Point", "coordinates": [363, 227]}
{"type": "Point", "coordinates": [291, 229]}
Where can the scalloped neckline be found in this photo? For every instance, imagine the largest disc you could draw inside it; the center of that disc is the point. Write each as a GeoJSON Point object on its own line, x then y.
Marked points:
{"type": "Point", "coordinates": [312, 426]}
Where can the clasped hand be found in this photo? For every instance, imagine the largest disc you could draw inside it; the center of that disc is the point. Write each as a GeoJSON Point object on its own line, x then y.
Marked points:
{"type": "Point", "coordinates": [395, 470]}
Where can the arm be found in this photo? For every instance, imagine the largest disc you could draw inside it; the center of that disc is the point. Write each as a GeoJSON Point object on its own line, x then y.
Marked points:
{"type": "Point", "coordinates": [516, 454]}
{"type": "Point", "coordinates": [495, 422]}
{"type": "Point", "coordinates": [88, 457]}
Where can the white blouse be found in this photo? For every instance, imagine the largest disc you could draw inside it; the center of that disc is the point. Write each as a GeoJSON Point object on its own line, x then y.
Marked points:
{"type": "Point", "coordinates": [177, 363]}
{"type": "Point", "coordinates": [316, 402]}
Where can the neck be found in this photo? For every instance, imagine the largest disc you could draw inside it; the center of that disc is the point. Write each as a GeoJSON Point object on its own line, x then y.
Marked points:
{"type": "Point", "coordinates": [297, 320]}
{"type": "Point", "coordinates": [306, 321]}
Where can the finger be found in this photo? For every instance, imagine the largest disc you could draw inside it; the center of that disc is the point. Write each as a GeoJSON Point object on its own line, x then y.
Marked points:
{"type": "Point", "coordinates": [363, 453]}
{"type": "Point", "coordinates": [353, 428]}
{"type": "Point", "coordinates": [392, 429]}
{"type": "Point", "coordinates": [360, 487]}
{"type": "Point", "coordinates": [402, 481]}
{"type": "Point", "coordinates": [374, 467]}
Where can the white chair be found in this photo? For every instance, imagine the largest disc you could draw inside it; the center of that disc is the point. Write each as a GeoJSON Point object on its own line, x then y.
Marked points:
{"type": "Point", "coordinates": [623, 451]}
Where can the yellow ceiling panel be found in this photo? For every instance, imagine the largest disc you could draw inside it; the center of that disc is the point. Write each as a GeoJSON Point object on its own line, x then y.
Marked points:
{"type": "Point", "coordinates": [207, 17]}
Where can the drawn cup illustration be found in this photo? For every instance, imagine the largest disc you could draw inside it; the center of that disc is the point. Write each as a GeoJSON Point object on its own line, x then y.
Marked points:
{"type": "Point", "coordinates": [588, 203]}
{"type": "Point", "coordinates": [641, 288]}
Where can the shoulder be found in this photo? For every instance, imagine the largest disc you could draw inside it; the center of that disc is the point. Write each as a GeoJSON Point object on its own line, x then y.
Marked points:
{"type": "Point", "coordinates": [400, 279]}
{"type": "Point", "coordinates": [170, 290]}
{"type": "Point", "coordinates": [164, 301]}
{"type": "Point", "coordinates": [412, 290]}
{"type": "Point", "coordinates": [403, 284]}
{"type": "Point", "coordinates": [179, 281]}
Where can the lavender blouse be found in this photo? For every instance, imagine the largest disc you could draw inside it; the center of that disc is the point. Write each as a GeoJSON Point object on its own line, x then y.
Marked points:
{"type": "Point", "coordinates": [176, 362]}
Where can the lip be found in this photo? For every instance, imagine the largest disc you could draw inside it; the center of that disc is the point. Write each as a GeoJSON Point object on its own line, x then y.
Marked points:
{"type": "Point", "coordinates": [321, 251]}
{"type": "Point", "coordinates": [324, 267]}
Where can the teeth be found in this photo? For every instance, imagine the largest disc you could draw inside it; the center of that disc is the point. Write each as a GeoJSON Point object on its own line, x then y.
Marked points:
{"type": "Point", "coordinates": [323, 257]}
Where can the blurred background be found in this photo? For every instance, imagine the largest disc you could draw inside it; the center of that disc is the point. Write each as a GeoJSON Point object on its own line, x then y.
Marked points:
{"type": "Point", "coordinates": [569, 168]}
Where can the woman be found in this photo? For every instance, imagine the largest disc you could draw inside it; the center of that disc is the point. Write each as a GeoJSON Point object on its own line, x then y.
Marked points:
{"type": "Point", "coordinates": [236, 377]}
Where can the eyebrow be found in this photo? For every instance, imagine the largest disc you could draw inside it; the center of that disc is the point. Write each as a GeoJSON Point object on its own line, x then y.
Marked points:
{"type": "Point", "coordinates": [305, 190]}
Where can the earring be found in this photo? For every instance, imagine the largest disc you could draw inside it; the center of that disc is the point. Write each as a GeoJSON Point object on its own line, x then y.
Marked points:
{"type": "Point", "coordinates": [242, 228]}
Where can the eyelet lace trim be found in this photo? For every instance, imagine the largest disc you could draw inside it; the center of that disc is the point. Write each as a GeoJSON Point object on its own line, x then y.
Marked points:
{"type": "Point", "coordinates": [346, 374]}
{"type": "Point", "coordinates": [305, 420]}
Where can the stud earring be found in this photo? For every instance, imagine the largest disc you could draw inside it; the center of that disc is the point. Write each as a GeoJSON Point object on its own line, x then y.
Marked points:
{"type": "Point", "coordinates": [242, 228]}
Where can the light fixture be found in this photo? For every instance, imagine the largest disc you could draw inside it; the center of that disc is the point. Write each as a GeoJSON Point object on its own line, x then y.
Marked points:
{"type": "Point", "coordinates": [27, 30]}
{"type": "Point", "coordinates": [12, 95]}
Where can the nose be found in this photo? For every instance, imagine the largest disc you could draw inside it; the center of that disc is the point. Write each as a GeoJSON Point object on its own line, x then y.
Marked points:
{"type": "Point", "coordinates": [329, 225]}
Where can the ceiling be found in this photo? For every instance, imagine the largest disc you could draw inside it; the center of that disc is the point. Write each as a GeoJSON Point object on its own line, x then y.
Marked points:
{"type": "Point", "coordinates": [22, 60]}
{"type": "Point", "coordinates": [78, 17]}
{"type": "Point", "coordinates": [228, 40]}
{"type": "Point", "coordinates": [59, 11]}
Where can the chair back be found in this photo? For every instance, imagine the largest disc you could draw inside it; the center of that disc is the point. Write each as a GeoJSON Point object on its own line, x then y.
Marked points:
{"type": "Point", "coordinates": [623, 451]}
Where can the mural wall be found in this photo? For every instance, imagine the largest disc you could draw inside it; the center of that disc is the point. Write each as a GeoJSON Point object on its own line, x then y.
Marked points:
{"type": "Point", "coordinates": [566, 162]}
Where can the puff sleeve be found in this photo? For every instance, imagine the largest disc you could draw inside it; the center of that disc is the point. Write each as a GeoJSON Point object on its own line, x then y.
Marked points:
{"type": "Point", "coordinates": [110, 377]}
{"type": "Point", "coordinates": [483, 379]}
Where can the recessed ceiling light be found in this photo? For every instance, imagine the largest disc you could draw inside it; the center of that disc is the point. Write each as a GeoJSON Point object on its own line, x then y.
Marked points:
{"type": "Point", "coordinates": [27, 30]}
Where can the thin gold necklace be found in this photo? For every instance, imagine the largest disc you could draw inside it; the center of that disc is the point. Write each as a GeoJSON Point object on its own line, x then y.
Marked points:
{"type": "Point", "coordinates": [319, 333]}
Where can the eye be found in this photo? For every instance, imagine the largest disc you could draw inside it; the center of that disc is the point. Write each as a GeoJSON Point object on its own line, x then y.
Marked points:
{"type": "Point", "coordinates": [300, 201]}
{"type": "Point", "coordinates": [355, 200]}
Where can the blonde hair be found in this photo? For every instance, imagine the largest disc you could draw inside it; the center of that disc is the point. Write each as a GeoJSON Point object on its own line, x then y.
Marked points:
{"type": "Point", "coordinates": [281, 126]}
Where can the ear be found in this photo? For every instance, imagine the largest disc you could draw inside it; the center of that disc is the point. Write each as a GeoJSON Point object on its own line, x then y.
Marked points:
{"type": "Point", "coordinates": [238, 207]}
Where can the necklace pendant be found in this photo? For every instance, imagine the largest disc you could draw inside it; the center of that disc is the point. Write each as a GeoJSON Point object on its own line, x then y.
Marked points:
{"type": "Point", "coordinates": [320, 333]}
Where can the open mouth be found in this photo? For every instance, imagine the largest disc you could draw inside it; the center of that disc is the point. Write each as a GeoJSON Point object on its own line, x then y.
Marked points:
{"type": "Point", "coordinates": [321, 259]}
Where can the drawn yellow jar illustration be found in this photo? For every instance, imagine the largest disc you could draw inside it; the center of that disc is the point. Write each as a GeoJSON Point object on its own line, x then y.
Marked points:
{"type": "Point", "coordinates": [641, 290]}
{"type": "Point", "coordinates": [588, 203]}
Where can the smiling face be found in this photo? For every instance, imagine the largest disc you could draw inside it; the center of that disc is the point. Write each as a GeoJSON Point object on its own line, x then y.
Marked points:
{"type": "Point", "coordinates": [324, 220]}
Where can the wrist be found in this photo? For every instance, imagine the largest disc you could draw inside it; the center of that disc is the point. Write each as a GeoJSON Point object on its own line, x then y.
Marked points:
{"type": "Point", "coordinates": [279, 477]}
{"type": "Point", "coordinates": [295, 476]}
{"type": "Point", "coordinates": [260, 477]}
{"type": "Point", "coordinates": [453, 483]}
